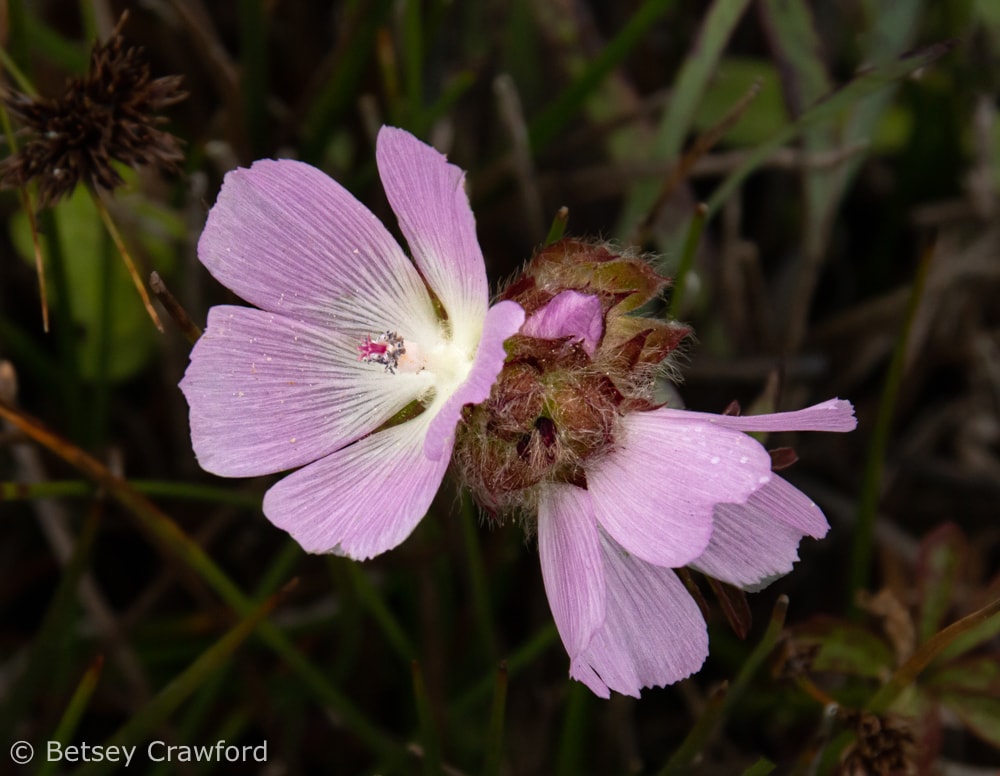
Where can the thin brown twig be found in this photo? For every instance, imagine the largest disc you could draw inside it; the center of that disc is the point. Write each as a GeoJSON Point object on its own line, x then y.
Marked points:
{"type": "Point", "coordinates": [174, 308]}
{"type": "Point", "coordinates": [56, 526]}
{"type": "Point", "coordinates": [607, 180]}
{"type": "Point", "coordinates": [701, 146]}
{"type": "Point", "coordinates": [43, 296]}
{"type": "Point", "coordinates": [127, 258]}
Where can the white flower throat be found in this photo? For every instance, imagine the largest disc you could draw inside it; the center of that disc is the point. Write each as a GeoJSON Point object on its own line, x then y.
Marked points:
{"type": "Point", "coordinates": [447, 364]}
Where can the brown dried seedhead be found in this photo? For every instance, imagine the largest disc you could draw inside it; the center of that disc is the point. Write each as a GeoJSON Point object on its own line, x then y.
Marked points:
{"type": "Point", "coordinates": [111, 114]}
{"type": "Point", "coordinates": [884, 746]}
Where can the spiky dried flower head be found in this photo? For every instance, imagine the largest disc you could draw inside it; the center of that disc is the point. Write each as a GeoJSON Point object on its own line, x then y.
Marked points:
{"type": "Point", "coordinates": [884, 746]}
{"type": "Point", "coordinates": [111, 114]}
{"type": "Point", "coordinates": [556, 405]}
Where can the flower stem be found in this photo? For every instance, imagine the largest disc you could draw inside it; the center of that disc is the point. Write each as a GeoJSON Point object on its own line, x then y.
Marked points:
{"type": "Point", "coordinates": [182, 491]}
{"type": "Point", "coordinates": [721, 703]}
{"type": "Point", "coordinates": [127, 258]}
{"type": "Point", "coordinates": [864, 530]}
{"type": "Point", "coordinates": [687, 258]}
{"type": "Point", "coordinates": [66, 728]}
{"type": "Point", "coordinates": [494, 736]}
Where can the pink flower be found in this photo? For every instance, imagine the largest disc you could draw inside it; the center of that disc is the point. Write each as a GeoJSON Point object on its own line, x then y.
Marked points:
{"type": "Point", "coordinates": [675, 488]}
{"type": "Point", "coordinates": [346, 369]}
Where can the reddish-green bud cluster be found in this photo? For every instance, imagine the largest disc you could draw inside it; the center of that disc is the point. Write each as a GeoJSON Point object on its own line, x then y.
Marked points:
{"type": "Point", "coordinates": [554, 406]}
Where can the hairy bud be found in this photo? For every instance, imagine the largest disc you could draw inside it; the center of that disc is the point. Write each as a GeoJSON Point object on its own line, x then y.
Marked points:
{"type": "Point", "coordinates": [581, 360]}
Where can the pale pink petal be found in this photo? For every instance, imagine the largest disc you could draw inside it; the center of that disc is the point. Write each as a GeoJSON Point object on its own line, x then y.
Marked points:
{"type": "Point", "coordinates": [502, 321]}
{"type": "Point", "coordinates": [267, 393]}
{"type": "Point", "coordinates": [289, 239]}
{"type": "Point", "coordinates": [570, 554]}
{"type": "Point", "coordinates": [653, 632]}
{"type": "Point", "coordinates": [655, 491]}
{"type": "Point", "coordinates": [831, 415]}
{"type": "Point", "coordinates": [755, 543]}
{"type": "Point", "coordinates": [363, 499]}
{"type": "Point", "coordinates": [569, 314]}
{"type": "Point", "coordinates": [428, 196]}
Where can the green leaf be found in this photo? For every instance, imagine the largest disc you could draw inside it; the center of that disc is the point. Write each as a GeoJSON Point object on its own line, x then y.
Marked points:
{"type": "Point", "coordinates": [75, 709]}
{"type": "Point", "coordinates": [546, 127]}
{"type": "Point", "coordinates": [99, 299]}
{"type": "Point", "coordinates": [844, 648]}
{"type": "Point", "coordinates": [829, 109]}
{"type": "Point", "coordinates": [760, 768]}
{"type": "Point", "coordinates": [147, 719]}
{"type": "Point", "coordinates": [494, 734]}
{"type": "Point", "coordinates": [732, 79]}
{"type": "Point", "coordinates": [975, 676]}
{"type": "Point", "coordinates": [971, 639]}
{"type": "Point", "coordinates": [688, 90]}
{"type": "Point", "coordinates": [906, 675]}
{"type": "Point", "coordinates": [981, 715]}
{"type": "Point", "coordinates": [941, 555]}
{"type": "Point", "coordinates": [798, 52]}
{"type": "Point", "coordinates": [348, 64]}
{"type": "Point", "coordinates": [430, 738]}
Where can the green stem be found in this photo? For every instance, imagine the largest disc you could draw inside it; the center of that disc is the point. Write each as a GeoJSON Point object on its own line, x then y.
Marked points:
{"type": "Point", "coordinates": [546, 127]}
{"type": "Point", "coordinates": [254, 85]}
{"type": "Point", "coordinates": [428, 730]}
{"type": "Point", "coordinates": [721, 704]}
{"type": "Point", "coordinates": [864, 530]}
{"type": "Point", "coordinates": [74, 710]}
{"type": "Point", "coordinates": [182, 491]}
{"type": "Point", "coordinates": [372, 601]}
{"type": "Point", "coordinates": [494, 735]}
{"type": "Point", "coordinates": [525, 655]}
{"type": "Point", "coordinates": [695, 229]}
{"type": "Point", "coordinates": [477, 579]}
{"type": "Point", "coordinates": [151, 716]}
{"type": "Point", "coordinates": [166, 534]}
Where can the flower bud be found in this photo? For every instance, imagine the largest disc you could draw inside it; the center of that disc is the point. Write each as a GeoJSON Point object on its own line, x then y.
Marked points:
{"type": "Point", "coordinates": [581, 359]}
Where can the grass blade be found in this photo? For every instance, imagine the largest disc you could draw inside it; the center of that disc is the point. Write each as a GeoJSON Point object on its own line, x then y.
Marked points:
{"type": "Point", "coordinates": [689, 86]}
{"type": "Point", "coordinates": [147, 719]}
{"type": "Point", "coordinates": [828, 109]}
{"type": "Point", "coordinates": [547, 126]}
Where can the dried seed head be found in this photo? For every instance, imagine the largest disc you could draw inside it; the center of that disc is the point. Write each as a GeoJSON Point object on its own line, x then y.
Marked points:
{"type": "Point", "coordinates": [557, 403]}
{"type": "Point", "coordinates": [885, 746]}
{"type": "Point", "coordinates": [109, 115]}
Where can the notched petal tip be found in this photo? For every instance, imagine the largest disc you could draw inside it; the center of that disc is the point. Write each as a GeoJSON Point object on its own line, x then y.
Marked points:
{"type": "Point", "coordinates": [841, 415]}
{"type": "Point", "coordinates": [653, 634]}
{"type": "Point", "coordinates": [831, 415]}
{"type": "Point", "coordinates": [659, 507]}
